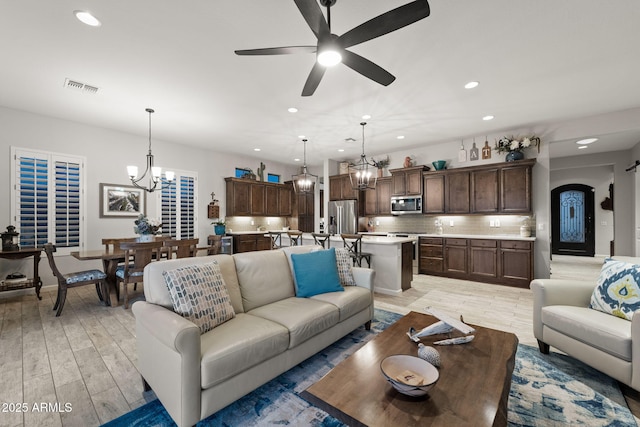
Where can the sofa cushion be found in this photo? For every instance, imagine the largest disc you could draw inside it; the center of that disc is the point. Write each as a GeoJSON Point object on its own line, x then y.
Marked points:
{"type": "Point", "coordinates": [156, 291]}
{"type": "Point", "coordinates": [600, 330]}
{"type": "Point", "coordinates": [264, 277]}
{"type": "Point", "coordinates": [618, 290]}
{"type": "Point", "coordinates": [353, 300]}
{"type": "Point", "coordinates": [237, 345]}
{"type": "Point", "coordinates": [199, 294]}
{"type": "Point", "coordinates": [345, 267]}
{"type": "Point", "coordinates": [316, 273]}
{"type": "Point", "coordinates": [303, 317]}
{"type": "Point", "coordinates": [288, 250]}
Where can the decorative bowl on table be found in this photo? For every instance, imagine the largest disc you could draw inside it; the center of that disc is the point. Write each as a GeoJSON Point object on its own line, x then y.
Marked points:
{"type": "Point", "coordinates": [409, 375]}
{"type": "Point", "coordinates": [439, 164]}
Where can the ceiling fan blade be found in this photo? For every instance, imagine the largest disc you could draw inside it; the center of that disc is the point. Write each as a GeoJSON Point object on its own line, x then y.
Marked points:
{"type": "Point", "coordinates": [386, 23]}
{"type": "Point", "coordinates": [285, 50]}
{"type": "Point", "coordinates": [311, 12]}
{"type": "Point", "coordinates": [313, 80]}
{"type": "Point", "coordinates": [367, 68]}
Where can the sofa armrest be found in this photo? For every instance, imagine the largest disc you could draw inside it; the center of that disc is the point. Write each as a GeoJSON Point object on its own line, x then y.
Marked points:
{"type": "Point", "coordinates": [364, 277]}
{"type": "Point", "coordinates": [635, 350]}
{"type": "Point", "coordinates": [169, 359]}
{"type": "Point", "coordinates": [557, 292]}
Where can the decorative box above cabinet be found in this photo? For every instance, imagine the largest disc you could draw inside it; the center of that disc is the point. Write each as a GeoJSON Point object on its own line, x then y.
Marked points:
{"type": "Point", "coordinates": [246, 197]}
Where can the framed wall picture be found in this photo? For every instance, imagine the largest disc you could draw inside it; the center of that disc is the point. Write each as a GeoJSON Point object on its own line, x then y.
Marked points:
{"type": "Point", "coordinates": [122, 201]}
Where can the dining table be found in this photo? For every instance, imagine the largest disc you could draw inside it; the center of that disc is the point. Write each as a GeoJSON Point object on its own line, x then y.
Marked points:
{"type": "Point", "coordinates": [110, 260]}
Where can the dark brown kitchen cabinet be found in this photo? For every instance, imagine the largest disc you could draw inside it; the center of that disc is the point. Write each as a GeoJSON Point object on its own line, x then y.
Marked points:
{"type": "Point", "coordinates": [483, 259]}
{"type": "Point", "coordinates": [302, 210]}
{"type": "Point", "coordinates": [433, 194]}
{"type": "Point", "coordinates": [430, 253]}
{"type": "Point", "coordinates": [251, 242]}
{"type": "Point", "coordinates": [455, 257]}
{"type": "Point", "coordinates": [516, 262]}
{"type": "Point", "coordinates": [515, 195]}
{"type": "Point", "coordinates": [256, 198]}
{"type": "Point", "coordinates": [407, 181]}
{"type": "Point", "coordinates": [504, 262]}
{"type": "Point", "coordinates": [378, 201]}
{"type": "Point", "coordinates": [457, 192]}
{"type": "Point", "coordinates": [484, 191]}
{"type": "Point", "coordinates": [340, 188]}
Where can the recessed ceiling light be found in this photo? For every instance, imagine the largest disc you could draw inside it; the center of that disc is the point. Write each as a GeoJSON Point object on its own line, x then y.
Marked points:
{"type": "Point", "coordinates": [582, 146]}
{"type": "Point", "coordinates": [366, 117]}
{"type": "Point", "coordinates": [400, 137]}
{"type": "Point", "coordinates": [296, 160]}
{"type": "Point", "coordinates": [486, 118]}
{"type": "Point", "coordinates": [341, 149]}
{"type": "Point", "coordinates": [256, 149]}
{"type": "Point", "coordinates": [471, 85]}
{"type": "Point", "coordinates": [87, 18]}
{"type": "Point", "coordinates": [293, 110]}
{"type": "Point", "coordinates": [586, 141]}
{"type": "Point", "coordinates": [301, 136]}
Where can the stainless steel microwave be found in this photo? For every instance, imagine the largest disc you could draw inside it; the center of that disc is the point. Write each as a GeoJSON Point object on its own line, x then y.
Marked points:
{"type": "Point", "coordinates": [401, 205]}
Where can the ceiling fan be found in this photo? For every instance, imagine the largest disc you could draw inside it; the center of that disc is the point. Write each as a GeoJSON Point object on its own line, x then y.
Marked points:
{"type": "Point", "coordinates": [332, 49]}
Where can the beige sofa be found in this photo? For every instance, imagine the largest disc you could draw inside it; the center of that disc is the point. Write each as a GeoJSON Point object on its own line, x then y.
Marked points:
{"type": "Point", "coordinates": [196, 375]}
{"type": "Point", "coordinates": [562, 319]}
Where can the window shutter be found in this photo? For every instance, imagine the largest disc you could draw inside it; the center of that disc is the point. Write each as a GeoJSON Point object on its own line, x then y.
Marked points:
{"type": "Point", "coordinates": [168, 209]}
{"type": "Point", "coordinates": [67, 202]}
{"type": "Point", "coordinates": [178, 206]}
{"type": "Point", "coordinates": [187, 207]}
{"type": "Point", "coordinates": [32, 194]}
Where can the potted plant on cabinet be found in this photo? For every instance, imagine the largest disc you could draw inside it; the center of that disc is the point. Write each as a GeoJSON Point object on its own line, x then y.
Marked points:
{"type": "Point", "coordinates": [219, 227]}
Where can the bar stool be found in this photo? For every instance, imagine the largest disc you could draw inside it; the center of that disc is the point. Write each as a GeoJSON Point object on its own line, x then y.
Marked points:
{"type": "Point", "coordinates": [276, 239]}
{"type": "Point", "coordinates": [353, 243]}
{"type": "Point", "coordinates": [295, 238]}
{"type": "Point", "coordinates": [321, 239]}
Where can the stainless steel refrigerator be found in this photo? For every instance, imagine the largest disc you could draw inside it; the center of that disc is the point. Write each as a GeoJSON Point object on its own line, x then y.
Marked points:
{"type": "Point", "coordinates": [343, 217]}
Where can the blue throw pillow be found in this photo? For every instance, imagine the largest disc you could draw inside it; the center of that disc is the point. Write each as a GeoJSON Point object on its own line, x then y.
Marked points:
{"type": "Point", "coordinates": [316, 273]}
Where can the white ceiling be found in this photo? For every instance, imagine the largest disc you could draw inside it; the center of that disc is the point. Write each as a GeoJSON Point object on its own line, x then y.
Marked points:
{"type": "Point", "coordinates": [537, 62]}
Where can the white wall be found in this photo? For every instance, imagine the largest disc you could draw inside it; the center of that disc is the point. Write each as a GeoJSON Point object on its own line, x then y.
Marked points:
{"type": "Point", "coordinates": [635, 155]}
{"type": "Point", "coordinates": [598, 177]}
{"type": "Point", "coordinates": [108, 153]}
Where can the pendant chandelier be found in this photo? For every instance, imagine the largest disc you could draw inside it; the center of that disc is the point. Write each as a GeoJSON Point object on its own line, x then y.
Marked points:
{"type": "Point", "coordinates": [363, 178]}
{"type": "Point", "coordinates": [305, 181]}
{"type": "Point", "coordinates": [152, 173]}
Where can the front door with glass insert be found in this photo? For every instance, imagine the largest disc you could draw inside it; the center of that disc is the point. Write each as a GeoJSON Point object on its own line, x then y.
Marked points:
{"type": "Point", "coordinates": [572, 220]}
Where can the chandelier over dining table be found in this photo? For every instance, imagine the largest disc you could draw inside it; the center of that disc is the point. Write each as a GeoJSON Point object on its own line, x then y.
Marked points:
{"type": "Point", "coordinates": [152, 173]}
{"type": "Point", "coordinates": [362, 177]}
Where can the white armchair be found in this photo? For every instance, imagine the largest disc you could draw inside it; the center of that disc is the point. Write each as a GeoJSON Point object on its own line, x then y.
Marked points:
{"type": "Point", "coordinates": [562, 319]}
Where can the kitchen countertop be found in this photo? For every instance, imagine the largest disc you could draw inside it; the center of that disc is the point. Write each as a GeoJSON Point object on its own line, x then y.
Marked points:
{"type": "Point", "coordinates": [464, 236]}
{"type": "Point", "coordinates": [381, 236]}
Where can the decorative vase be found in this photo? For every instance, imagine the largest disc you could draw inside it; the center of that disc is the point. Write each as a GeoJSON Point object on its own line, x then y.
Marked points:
{"type": "Point", "coordinates": [380, 172]}
{"type": "Point", "coordinates": [219, 229]}
{"type": "Point", "coordinates": [146, 238]}
{"type": "Point", "coordinates": [512, 156]}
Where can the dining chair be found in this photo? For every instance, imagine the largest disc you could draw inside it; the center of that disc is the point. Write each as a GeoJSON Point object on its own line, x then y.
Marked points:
{"type": "Point", "coordinates": [182, 248]}
{"type": "Point", "coordinates": [72, 280]}
{"type": "Point", "coordinates": [353, 243]}
{"type": "Point", "coordinates": [321, 239]}
{"type": "Point", "coordinates": [137, 255]}
{"type": "Point", "coordinates": [276, 239]}
{"type": "Point", "coordinates": [295, 238]}
{"type": "Point", "coordinates": [113, 244]}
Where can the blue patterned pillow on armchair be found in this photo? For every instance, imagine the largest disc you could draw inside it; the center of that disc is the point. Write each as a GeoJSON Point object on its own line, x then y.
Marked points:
{"type": "Point", "coordinates": [618, 290]}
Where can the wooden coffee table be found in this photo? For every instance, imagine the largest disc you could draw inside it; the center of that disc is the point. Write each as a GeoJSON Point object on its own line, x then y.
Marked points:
{"type": "Point", "coordinates": [473, 388]}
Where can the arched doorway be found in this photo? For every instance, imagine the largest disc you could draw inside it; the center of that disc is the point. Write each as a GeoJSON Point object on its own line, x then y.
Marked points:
{"type": "Point", "coordinates": [572, 220]}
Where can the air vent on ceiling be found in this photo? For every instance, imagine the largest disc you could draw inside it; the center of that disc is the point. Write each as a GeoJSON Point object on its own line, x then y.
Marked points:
{"type": "Point", "coordinates": [80, 87]}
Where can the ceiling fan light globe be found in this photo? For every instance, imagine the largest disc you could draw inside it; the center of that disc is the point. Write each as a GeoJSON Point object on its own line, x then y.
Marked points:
{"type": "Point", "coordinates": [329, 58]}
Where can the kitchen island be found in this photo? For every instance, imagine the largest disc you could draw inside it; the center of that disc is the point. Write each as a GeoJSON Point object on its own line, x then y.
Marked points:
{"type": "Point", "coordinates": [391, 259]}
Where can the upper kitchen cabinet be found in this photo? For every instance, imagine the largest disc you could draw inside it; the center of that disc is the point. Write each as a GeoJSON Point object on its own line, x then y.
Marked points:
{"type": "Point", "coordinates": [457, 192]}
{"type": "Point", "coordinates": [407, 181]}
{"type": "Point", "coordinates": [499, 188]}
{"type": "Point", "coordinates": [378, 201]}
{"type": "Point", "coordinates": [256, 198]}
{"type": "Point", "coordinates": [340, 188]}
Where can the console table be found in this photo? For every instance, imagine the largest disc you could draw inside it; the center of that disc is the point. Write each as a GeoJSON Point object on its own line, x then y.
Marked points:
{"type": "Point", "coordinates": [28, 283]}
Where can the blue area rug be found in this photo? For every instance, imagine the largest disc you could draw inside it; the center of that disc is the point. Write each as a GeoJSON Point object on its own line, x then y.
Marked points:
{"type": "Point", "coordinates": [553, 390]}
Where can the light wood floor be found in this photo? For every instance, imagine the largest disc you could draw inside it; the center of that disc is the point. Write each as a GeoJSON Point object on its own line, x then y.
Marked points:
{"type": "Point", "coordinates": [87, 357]}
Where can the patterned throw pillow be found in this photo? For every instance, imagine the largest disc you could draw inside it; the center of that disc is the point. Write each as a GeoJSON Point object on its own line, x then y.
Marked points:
{"type": "Point", "coordinates": [618, 290]}
{"type": "Point", "coordinates": [199, 294]}
{"type": "Point", "coordinates": [345, 265]}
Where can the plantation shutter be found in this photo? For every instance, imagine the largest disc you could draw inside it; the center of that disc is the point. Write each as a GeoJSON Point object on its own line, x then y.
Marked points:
{"type": "Point", "coordinates": [179, 206]}
{"type": "Point", "coordinates": [48, 198]}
